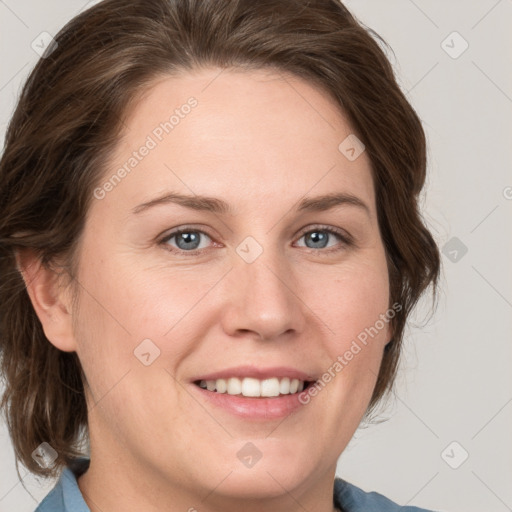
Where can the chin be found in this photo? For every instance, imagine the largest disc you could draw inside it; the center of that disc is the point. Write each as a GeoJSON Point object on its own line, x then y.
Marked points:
{"type": "Point", "coordinates": [261, 482]}
{"type": "Point", "coordinates": [263, 468]}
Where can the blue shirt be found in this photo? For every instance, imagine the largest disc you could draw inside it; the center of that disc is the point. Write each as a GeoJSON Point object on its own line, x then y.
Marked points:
{"type": "Point", "coordinates": [66, 495]}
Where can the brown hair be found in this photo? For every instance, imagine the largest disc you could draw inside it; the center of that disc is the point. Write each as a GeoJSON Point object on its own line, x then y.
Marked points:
{"type": "Point", "coordinates": [67, 123]}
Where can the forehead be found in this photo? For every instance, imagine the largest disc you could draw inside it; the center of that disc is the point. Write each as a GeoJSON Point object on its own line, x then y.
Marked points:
{"type": "Point", "coordinates": [228, 133]}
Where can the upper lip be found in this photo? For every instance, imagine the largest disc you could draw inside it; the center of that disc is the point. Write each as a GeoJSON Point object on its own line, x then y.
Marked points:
{"type": "Point", "coordinates": [257, 373]}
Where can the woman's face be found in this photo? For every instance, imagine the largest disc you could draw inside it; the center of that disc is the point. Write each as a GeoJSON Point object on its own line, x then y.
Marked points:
{"type": "Point", "coordinates": [256, 288]}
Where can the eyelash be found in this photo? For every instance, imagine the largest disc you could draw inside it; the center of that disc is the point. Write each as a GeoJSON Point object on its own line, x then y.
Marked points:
{"type": "Point", "coordinates": [345, 238]}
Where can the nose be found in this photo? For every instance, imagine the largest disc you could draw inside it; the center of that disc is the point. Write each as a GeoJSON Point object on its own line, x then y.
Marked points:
{"type": "Point", "coordinates": [263, 299]}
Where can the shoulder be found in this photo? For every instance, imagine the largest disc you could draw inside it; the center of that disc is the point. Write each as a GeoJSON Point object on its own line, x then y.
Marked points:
{"type": "Point", "coordinates": [66, 495]}
{"type": "Point", "coordinates": [350, 498]}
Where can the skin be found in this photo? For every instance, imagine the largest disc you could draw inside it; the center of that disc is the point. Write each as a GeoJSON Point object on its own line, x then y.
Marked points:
{"type": "Point", "coordinates": [260, 141]}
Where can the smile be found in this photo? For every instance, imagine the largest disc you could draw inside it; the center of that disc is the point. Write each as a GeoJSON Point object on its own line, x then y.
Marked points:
{"type": "Point", "coordinates": [254, 388]}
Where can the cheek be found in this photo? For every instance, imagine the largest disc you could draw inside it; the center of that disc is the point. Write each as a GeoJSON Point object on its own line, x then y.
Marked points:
{"type": "Point", "coordinates": [355, 307]}
{"type": "Point", "coordinates": [353, 301]}
{"type": "Point", "coordinates": [124, 304]}
{"type": "Point", "coordinates": [350, 304]}
{"type": "Point", "coordinates": [127, 310]}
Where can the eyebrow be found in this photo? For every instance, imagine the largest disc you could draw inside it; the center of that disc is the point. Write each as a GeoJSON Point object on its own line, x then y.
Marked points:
{"type": "Point", "coordinates": [215, 205]}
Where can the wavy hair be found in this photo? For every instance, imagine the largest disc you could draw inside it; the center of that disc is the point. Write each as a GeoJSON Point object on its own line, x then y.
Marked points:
{"type": "Point", "coordinates": [68, 120]}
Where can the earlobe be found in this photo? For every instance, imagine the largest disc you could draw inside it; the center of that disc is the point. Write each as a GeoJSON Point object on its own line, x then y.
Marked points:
{"type": "Point", "coordinates": [49, 300]}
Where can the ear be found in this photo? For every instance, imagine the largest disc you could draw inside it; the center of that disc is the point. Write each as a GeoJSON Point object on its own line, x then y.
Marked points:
{"type": "Point", "coordinates": [50, 300]}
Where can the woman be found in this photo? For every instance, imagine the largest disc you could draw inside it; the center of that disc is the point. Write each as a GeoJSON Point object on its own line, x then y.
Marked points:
{"type": "Point", "coordinates": [210, 244]}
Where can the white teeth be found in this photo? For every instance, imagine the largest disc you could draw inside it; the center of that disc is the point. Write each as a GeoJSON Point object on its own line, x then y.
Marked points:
{"type": "Point", "coordinates": [270, 387]}
{"type": "Point", "coordinates": [234, 386]}
{"type": "Point", "coordinates": [221, 386]}
{"type": "Point", "coordinates": [252, 387]}
{"type": "Point", "coordinates": [284, 386]}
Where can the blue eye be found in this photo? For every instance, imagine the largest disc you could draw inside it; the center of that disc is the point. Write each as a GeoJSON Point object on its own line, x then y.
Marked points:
{"type": "Point", "coordinates": [191, 241]}
{"type": "Point", "coordinates": [320, 237]}
{"type": "Point", "coordinates": [187, 240]}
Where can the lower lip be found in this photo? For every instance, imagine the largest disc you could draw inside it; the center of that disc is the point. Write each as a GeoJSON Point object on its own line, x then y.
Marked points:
{"type": "Point", "coordinates": [253, 408]}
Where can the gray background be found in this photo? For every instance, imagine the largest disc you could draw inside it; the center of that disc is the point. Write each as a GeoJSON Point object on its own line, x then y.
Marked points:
{"type": "Point", "coordinates": [455, 383]}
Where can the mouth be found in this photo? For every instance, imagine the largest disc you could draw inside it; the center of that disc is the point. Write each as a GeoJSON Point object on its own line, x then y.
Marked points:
{"type": "Point", "coordinates": [250, 387]}
{"type": "Point", "coordinates": [255, 394]}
